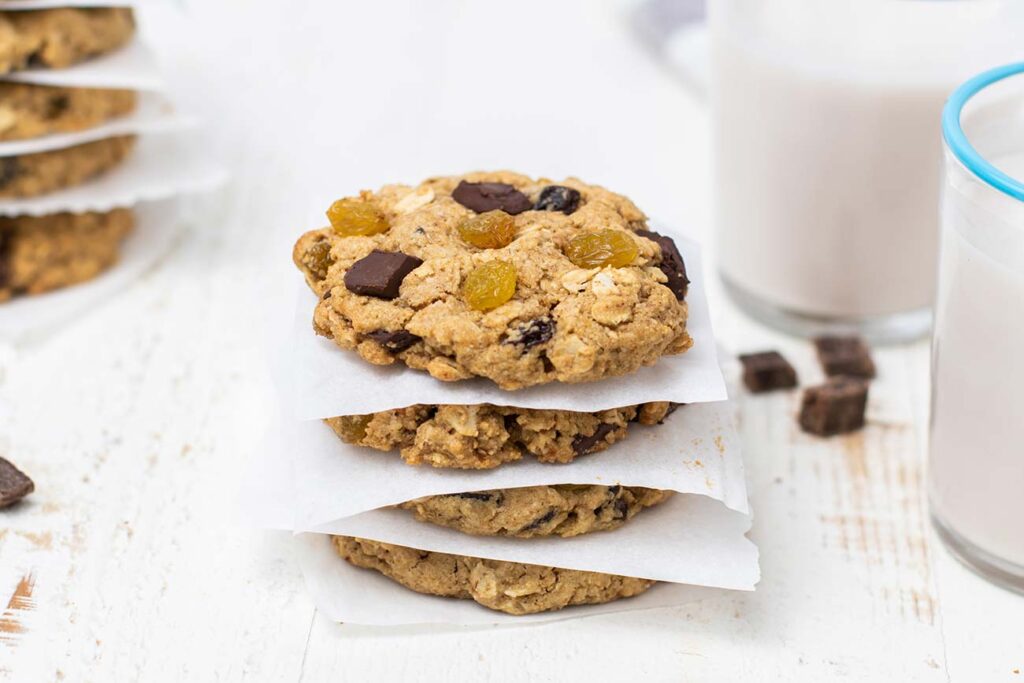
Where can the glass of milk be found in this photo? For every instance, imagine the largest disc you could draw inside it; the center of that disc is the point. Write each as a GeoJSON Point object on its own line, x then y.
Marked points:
{"type": "Point", "coordinates": [976, 450]}
{"type": "Point", "coordinates": [827, 153]}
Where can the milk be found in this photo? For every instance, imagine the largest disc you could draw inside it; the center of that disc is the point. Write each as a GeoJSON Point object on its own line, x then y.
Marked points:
{"type": "Point", "coordinates": [976, 466]}
{"type": "Point", "coordinates": [827, 200]}
{"type": "Point", "coordinates": [828, 149]}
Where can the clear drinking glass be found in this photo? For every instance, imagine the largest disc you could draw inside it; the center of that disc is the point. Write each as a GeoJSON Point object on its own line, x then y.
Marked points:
{"type": "Point", "coordinates": [827, 160]}
{"type": "Point", "coordinates": [976, 450]}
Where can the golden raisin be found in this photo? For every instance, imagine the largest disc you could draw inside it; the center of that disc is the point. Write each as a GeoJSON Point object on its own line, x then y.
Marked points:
{"type": "Point", "coordinates": [352, 216]}
{"type": "Point", "coordinates": [489, 230]}
{"type": "Point", "coordinates": [352, 428]}
{"type": "Point", "coordinates": [602, 248]}
{"type": "Point", "coordinates": [490, 285]}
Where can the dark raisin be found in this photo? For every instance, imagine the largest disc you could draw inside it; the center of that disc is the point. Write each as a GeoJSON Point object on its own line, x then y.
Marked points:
{"type": "Point", "coordinates": [543, 519]}
{"type": "Point", "coordinates": [621, 509]}
{"type": "Point", "coordinates": [548, 365]}
{"type": "Point", "coordinates": [558, 198]}
{"type": "Point", "coordinates": [394, 342]}
{"type": "Point", "coordinates": [473, 495]}
{"type": "Point", "coordinates": [57, 105]}
{"type": "Point", "coordinates": [532, 333]}
{"type": "Point", "coordinates": [6, 237]}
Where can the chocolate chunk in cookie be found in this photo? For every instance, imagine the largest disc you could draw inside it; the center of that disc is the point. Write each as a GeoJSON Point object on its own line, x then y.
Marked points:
{"type": "Point", "coordinates": [380, 274]}
{"type": "Point", "coordinates": [395, 342]}
{"type": "Point", "coordinates": [9, 168]}
{"type": "Point", "coordinates": [836, 407]}
{"type": "Point", "coordinates": [845, 356]}
{"type": "Point", "coordinates": [532, 333]}
{"type": "Point", "coordinates": [671, 263]}
{"type": "Point", "coordinates": [474, 495]}
{"type": "Point", "coordinates": [582, 445]}
{"type": "Point", "coordinates": [14, 484]}
{"type": "Point", "coordinates": [6, 236]}
{"type": "Point", "coordinates": [481, 197]}
{"type": "Point", "coordinates": [558, 198]}
{"type": "Point", "coordinates": [767, 371]}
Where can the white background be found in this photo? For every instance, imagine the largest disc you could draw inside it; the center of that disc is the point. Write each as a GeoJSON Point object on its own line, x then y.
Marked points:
{"type": "Point", "coordinates": [135, 420]}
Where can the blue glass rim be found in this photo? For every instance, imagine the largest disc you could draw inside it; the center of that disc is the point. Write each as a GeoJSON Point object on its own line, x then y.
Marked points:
{"type": "Point", "coordinates": [957, 141]}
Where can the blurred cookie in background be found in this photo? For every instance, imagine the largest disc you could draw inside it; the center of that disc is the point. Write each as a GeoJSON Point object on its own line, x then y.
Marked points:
{"type": "Point", "coordinates": [42, 253]}
{"type": "Point", "coordinates": [30, 175]}
{"type": "Point", "coordinates": [58, 38]}
{"type": "Point", "coordinates": [28, 110]}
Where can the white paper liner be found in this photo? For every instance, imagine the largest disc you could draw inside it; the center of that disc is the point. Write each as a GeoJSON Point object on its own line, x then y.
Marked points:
{"type": "Point", "coordinates": [157, 229]}
{"type": "Point", "coordinates": [348, 594]}
{"type": "Point", "coordinates": [693, 538]}
{"type": "Point", "coordinates": [133, 67]}
{"type": "Point", "coordinates": [160, 166]}
{"type": "Point", "coordinates": [696, 451]}
{"type": "Point", "coordinates": [325, 381]}
{"type": "Point", "coordinates": [687, 539]}
{"type": "Point", "coordinates": [154, 114]}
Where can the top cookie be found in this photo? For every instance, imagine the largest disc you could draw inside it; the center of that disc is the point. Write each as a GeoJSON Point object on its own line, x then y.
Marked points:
{"type": "Point", "coordinates": [497, 275]}
{"type": "Point", "coordinates": [57, 38]}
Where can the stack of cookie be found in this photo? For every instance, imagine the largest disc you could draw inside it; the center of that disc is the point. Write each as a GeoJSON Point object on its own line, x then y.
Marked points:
{"type": "Point", "coordinates": [70, 114]}
{"type": "Point", "coordinates": [41, 253]}
{"type": "Point", "coordinates": [522, 300]}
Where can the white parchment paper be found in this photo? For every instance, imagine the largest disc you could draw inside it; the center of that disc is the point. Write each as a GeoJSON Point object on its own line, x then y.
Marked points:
{"type": "Point", "coordinates": [157, 229]}
{"type": "Point", "coordinates": [687, 539]}
{"type": "Point", "coordinates": [133, 67]}
{"type": "Point", "coordinates": [161, 165]}
{"type": "Point", "coordinates": [693, 538]}
{"type": "Point", "coordinates": [154, 114]}
{"type": "Point", "coordinates": [696, 451]}
{"type": "Point", "coordinates": [324, 381]}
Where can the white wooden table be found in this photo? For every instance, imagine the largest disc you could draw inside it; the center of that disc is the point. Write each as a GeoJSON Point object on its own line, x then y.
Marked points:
{"type": "Point", "coordinates": [130, 562]}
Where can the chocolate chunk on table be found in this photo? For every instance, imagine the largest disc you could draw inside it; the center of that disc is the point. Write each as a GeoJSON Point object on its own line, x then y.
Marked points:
{"type": "Point", "coordinates": [380, 274]}
{"type": "Point", "coordinates": [671, 263]}
{"type": "Point", "coordinates": [14, 484]}
{"type": "Point", "coordinates": [558, 198]}
{"type": "Point", "coordinates": [767, 371]}
{"type": "Point", "coordinates": [845, 356]}
{"type": "Point", "coordinates": [836, 407]}
{"type": "Point", "coordinates": [481, 197]}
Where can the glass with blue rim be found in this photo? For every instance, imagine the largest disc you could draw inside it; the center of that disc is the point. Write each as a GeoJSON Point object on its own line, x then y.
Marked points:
{"type": "Point", "coordinates": [976, 431]}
